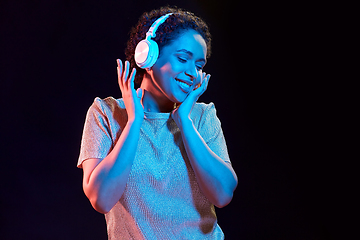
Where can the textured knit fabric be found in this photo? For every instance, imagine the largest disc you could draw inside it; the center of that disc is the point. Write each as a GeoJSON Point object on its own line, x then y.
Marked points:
{"type": "Point", "coordinates": [162, 199]}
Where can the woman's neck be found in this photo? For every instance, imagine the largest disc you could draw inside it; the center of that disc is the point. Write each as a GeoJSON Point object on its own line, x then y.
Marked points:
{"type": "Point", "coordinates": [154, 99]}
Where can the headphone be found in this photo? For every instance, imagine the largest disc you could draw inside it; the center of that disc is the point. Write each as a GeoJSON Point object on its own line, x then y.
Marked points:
{"type": "Point", "coordinates": [147, 50]}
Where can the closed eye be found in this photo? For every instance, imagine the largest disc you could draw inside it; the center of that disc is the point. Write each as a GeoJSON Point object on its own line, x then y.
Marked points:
{"type": "Point", "coordinates": [182, 60]}
{"type": "Point", "coordinates": [199, 67]}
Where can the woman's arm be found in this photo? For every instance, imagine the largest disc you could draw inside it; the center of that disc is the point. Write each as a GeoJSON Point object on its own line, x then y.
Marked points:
{"type": "Point", "coordinates": [104, 180]}
{"type": "Point", "coordinates": [216, 178]}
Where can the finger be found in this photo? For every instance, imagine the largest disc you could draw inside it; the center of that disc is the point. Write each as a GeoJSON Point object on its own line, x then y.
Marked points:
{"type": "Point", "coordinates": [203, 77]}
{"type": "Point", "coordinates": [200, 81]}
{"type": "Point", "coordinates": [139, 93]}
{"type": "Point", "coordinates": [132, 79]}
{"type": "Point", "coordinates": [126, 71]}
{"type": "Point", "coordinates": [119, 71]}
{"type": "Point", "coordinates": [203, 86]}
{"type": "Point", "coordinates": [205, 83]}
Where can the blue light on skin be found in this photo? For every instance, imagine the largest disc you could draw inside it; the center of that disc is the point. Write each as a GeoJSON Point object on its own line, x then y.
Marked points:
{"type": "Point", "coordinates": [182, 60]}
{"type": "Point", "coordinates": [176, 73]}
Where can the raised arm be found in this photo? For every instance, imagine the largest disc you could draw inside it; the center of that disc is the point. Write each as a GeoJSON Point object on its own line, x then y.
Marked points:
{"type": "Point", "coordinates": [105, 179]}
{"type": "Point", "coordinates": [216, 178]}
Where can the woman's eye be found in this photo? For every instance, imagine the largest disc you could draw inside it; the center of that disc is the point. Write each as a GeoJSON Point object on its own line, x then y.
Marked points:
{"type": "Point", "coordinates": [183, 60]}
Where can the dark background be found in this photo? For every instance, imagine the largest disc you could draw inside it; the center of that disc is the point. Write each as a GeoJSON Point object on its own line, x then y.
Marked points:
{"type": "Point", "coordinates": [58, 55]}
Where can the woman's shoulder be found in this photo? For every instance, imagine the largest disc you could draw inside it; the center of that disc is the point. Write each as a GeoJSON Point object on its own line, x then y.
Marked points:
{"type": "Point", "coordinates": [203, 111]}
{"type": "Point", "coordinates": [201, 108]}
{"type": "Point", "coordinates": [110, 108]}
{"type": "Point", "coordinates": [108, 104]}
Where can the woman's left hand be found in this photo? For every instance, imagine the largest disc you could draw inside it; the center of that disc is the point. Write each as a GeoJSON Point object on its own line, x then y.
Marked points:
{"type": "Point", "coordinates": [182, 112]}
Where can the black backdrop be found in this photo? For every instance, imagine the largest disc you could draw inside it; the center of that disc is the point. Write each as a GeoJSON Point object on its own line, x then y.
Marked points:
{"type": "Point", "coordinates": [57, 56]}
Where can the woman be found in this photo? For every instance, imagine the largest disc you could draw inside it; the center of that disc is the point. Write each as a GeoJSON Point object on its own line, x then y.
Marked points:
{"type": "Point", "coordinates": [155, 162]}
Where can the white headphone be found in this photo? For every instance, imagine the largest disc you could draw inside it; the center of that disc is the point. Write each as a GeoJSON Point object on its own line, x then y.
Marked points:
{"type": "Point", "coordinates": [147, 50]}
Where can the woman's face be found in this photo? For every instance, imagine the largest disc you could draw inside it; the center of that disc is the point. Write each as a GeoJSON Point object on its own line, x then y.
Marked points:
{"type": "Point", "coordinates": [179, 68]}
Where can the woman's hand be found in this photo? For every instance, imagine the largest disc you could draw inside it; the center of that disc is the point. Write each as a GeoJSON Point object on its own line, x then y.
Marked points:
{"type": "Point", "coordinates": [105, 179]}
{"type": "Point", "coordinates": [216, 178]}
{"type": "Point", "coordinates": [182, 113]}
{"type": "Point", "coordinates": [132, 98]}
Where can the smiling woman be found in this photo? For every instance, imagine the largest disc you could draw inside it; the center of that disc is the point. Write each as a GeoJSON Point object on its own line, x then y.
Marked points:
{"type": "Point", "coordinates": [167, 32]}
{"type": "Point", "coordinates": [177, 71]}
{"type": "Point", "coordinates": [155, 161]}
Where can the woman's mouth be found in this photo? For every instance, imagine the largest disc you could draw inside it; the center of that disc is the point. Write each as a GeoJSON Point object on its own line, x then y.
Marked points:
{"type": "Point", "coordinates": [184, 85]}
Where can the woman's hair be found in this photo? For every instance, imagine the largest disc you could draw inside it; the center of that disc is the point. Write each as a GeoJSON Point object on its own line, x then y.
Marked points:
{"type": "Point", "coordinates": [167, 32]}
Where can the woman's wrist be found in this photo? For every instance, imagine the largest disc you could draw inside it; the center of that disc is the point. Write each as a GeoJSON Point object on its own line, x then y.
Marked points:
{"type": "Point", "coordinates": [135, 122]}
{"type": "Point", "coordinates": [184, 123]}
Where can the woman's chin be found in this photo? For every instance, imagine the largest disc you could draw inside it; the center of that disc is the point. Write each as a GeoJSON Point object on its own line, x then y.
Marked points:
{"type": "Point", "coordinates": [180, 98]}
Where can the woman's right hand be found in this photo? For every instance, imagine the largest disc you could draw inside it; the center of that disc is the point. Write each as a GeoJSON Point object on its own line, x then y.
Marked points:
{"type": "Point", "coordinates": [132, 98]}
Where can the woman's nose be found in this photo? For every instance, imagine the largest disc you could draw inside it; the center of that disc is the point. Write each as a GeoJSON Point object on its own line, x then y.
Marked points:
{"type": "Point", "coordinates": [192, 73]}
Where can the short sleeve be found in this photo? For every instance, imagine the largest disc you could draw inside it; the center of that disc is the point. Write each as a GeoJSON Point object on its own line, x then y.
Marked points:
{"type": "Point", "coordinates": [96, 140]}
{"type": "Point", "coordinates": [211, 131]}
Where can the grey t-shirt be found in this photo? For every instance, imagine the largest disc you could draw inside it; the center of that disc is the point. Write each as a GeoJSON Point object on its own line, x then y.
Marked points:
{"type": "Point", "coordinates": [162, 199]}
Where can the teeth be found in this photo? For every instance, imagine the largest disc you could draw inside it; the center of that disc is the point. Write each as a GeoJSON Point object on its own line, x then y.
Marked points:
{"type": "Point", "coordinates": [183, 85]}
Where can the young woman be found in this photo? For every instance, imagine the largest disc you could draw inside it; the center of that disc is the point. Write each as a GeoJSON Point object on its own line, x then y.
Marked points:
{"type": "Point", "coordinates": [155, 161]}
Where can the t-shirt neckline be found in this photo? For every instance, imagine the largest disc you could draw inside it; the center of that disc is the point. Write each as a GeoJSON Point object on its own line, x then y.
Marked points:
{"type": "Point", "coordinates": [157, 115]}
{"type": "Point", "coordinates": [149, 115]}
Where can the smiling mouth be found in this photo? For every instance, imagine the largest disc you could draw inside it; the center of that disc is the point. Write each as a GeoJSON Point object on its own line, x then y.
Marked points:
{"type": "Point", "coordinates": [183, 85]}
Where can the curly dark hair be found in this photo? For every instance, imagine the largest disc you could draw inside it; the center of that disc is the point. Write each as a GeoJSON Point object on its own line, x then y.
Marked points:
{"type": "Point", "coordinates": [167, 32]}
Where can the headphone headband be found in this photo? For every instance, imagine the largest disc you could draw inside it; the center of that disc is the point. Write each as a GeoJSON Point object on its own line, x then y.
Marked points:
{"type": "Point", "coordinates": [147, 50]}
{"type": "Point", "coordinates": [152, 30]}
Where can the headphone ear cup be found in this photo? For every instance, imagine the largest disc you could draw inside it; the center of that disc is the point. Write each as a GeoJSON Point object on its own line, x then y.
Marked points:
{"type": "Point", "coordinates": [146, 53]}
{"type": "Point", "coordinates": [153, 52]}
